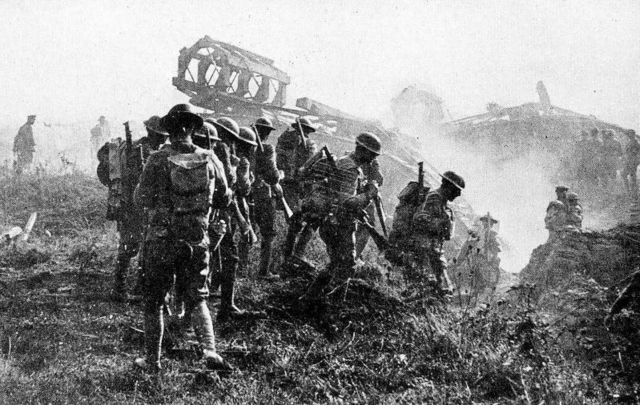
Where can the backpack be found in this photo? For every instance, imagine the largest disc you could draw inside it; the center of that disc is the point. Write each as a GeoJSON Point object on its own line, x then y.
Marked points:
{"type": "Point", "coordinates": [103, 165]}
{"type": "Point", "coordinates": [192, 186]}
{"type": "Point", "coordinates": [410, 200]}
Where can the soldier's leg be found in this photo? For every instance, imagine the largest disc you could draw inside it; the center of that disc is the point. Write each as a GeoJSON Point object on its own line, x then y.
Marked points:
{"type": "Point", "coordinates": [339, 240]}
{"type": "Point", "coordinates": [158, 278]}
{"type": "Point", "coordinates": [229, 253]}
{"type": "Point", "coordinates": [196, 274]}
{"type": "Point", "coordinates": [362, 237]}
{"type": "Point", "coordinates": [244, 248]}
{"type": "Point", "coordinates": [265, 219]}
{"type": "Point", "coordinates": [295, 226]}
{"type": "Point", "coordinates": [304, 237]}
{"type": "Point", "coordinates": [128, 248]}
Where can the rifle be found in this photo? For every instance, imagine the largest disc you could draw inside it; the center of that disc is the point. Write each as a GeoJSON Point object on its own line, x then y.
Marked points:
{"type": "Point", "coordinates": [245, 226]}
{"type": "Point", "coordinates": [381, 242]}
{"type": "Point", "coordinates": [260, 146]}
{"type": "Point", "coordinates": [377, 201]}
{"type": "Point", "coordinates": [330, 157]}
{"type": "Point", "coordinates": [303, 140]}
{"type": "Point", "coordinates": [128, 151]}
{"type": "Point", "coordinates": [288, 213]}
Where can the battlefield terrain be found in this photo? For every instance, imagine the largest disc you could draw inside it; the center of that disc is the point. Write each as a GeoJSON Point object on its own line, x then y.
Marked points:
{"type": "Point", "coordinates": [63, 340]}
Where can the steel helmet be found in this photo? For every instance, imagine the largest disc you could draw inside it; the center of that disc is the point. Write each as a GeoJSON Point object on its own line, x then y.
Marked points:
{"type": "Point", "coordinates": [153, 125]}
{"type": "Point", "coordinates": [265, 122]}
{"type": "Point", "coordinates": [571, 196]}
{"type": "Point", "coordinates": [454, 179]}
{"type": "Point", "coordinates": [305, 123]}
{"type": "Point", "coordinates": [180, 114]}
{"type": "Point", "coordinates": [226, 125]}
{"type": "Point", "coordinates": [207, 130]}
{"type": "Point", "coordinates": [370, 142]}
{"type": "Point", "coordinates": [247, 136]}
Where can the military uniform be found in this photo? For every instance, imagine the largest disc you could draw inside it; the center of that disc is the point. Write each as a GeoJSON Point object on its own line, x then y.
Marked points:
{"type": "Point", "coordinates": [266, 175]}
{"type": "Point", "coordinates": [177, 241]}
{"type": "Point", "coordinates": [226, 257]}
{"type": "Point", "coordinates": [371, 172]}
{"type": "Point", "coordinates": [432, 225]}
{"type": "Point", "coordinates": [100, 133]}
{"type": "Point", "coordinates": [291, 154]}
{"type": "Point", "coordinates": [573, 218]}
{"type": "Point", "coordinates": [334, 205]}
{"type": "Point", "coordinates": [24, 146]}
{"type": "Point", "coordinates": [130, 219]}
{"type": "Point", "coordinates": [556, 218]}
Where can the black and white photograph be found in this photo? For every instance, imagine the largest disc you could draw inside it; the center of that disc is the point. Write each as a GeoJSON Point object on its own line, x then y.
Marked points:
{"type": "Point", "coordinates": [319, 202]}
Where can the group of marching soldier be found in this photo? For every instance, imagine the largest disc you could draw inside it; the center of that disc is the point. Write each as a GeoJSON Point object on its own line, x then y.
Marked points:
{"type": "Point", "coordinates": [189, 213]}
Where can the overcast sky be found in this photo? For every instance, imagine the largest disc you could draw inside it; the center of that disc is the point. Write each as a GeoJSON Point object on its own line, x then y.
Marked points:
{"type": "Point", "coordinates": [75, 60]}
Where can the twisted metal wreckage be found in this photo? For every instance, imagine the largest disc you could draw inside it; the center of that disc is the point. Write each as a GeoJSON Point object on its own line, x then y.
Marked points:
{"type": "Point", "coordinates": [230, 81]}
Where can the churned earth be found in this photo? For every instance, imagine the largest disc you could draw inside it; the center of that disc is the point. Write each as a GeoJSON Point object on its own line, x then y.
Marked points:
{"type": "Point", "coordinates": [63, 340]}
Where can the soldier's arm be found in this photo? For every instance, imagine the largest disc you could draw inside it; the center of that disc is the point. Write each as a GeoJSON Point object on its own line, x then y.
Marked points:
{"type": "Point", "coordinates": [266, 162]}
{"type": "Point", "coordinates": [284, 150]}
{"type": "Point", "coordinates": [361, 200]}
{"type": "Point", "coordinates": [243, 180]}
{"type": "Point", "coordinates": [149, 186]}
{"type": "Point", "coordinates": [222, 193]}
{"type": "Point", "coordinates": [223, 154]}
{"type": "Point", "coordinates": [375, 174]}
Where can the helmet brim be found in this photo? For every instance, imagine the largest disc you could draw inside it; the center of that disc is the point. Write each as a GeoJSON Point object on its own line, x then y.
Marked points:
{"type": "Point", "coordinates": [223, 129]}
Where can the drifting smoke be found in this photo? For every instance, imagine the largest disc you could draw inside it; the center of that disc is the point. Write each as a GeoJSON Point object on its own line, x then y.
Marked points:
{"type": "Point", "coordinates": [516, 192]}
{"type": "Point", "coordinates": [62, 147]}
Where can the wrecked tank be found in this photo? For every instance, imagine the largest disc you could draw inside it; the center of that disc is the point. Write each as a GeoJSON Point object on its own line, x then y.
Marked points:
{"type": "Point", "coordinates": [226, 80]}
{"type": "Point", "coordinates": [536, 128]}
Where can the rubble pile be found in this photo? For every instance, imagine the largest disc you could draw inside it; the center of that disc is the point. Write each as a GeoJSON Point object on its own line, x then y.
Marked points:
{"type": "Point", "coordinates": [606, 257]}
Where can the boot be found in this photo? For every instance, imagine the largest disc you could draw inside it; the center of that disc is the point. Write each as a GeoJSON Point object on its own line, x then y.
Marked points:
{"type": "Point", "coordinates": [201, 320]}
{"type": "Point", "coordinates": [153, 331]}
{"type": "Point", "coordinates": [228, 308]}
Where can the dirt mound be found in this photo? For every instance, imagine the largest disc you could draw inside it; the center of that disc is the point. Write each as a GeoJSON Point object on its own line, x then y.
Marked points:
{"type": "Point", "coordinates": [607, 257]}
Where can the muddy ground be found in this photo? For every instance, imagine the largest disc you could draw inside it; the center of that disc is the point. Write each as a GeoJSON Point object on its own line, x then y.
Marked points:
{"type": "Point", "coordinates": [63, 340]}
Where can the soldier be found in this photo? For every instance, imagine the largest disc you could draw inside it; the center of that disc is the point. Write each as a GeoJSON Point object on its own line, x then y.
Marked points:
{"type": "Point", "coordinates": [293, 149]}
{"type": "Point", "coordinates": [557, 211]}
{"type": "Point", "coordinates": [240, 183]}
{"type": "Point", "coordinates": [99, 134]}
{"type": "Point", "coordinates": [130, 218]}
{"type": "Point", "coordinates": [371, 173]}
{"type": "Point", "coordinates": [179, 186]}
{"type": "Point", "coordinates": [24, 146]}
{"type": "Point", "coordinates": [479, 256]}
{"type": "Point", "coordinates": [432, 225]}
{"type": "Point", "coordinates": [574, 213]}
{"type": "Point", "coordinates": [631, 161]}
{"type": "Point", "coordinates": [264, 188]}
{"type": "Point", "coordinates": [609, 158]}
{"type": "Point", "coordinates": [246, 152]}
{"type": "Point", "coordinates": [336, 202]}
